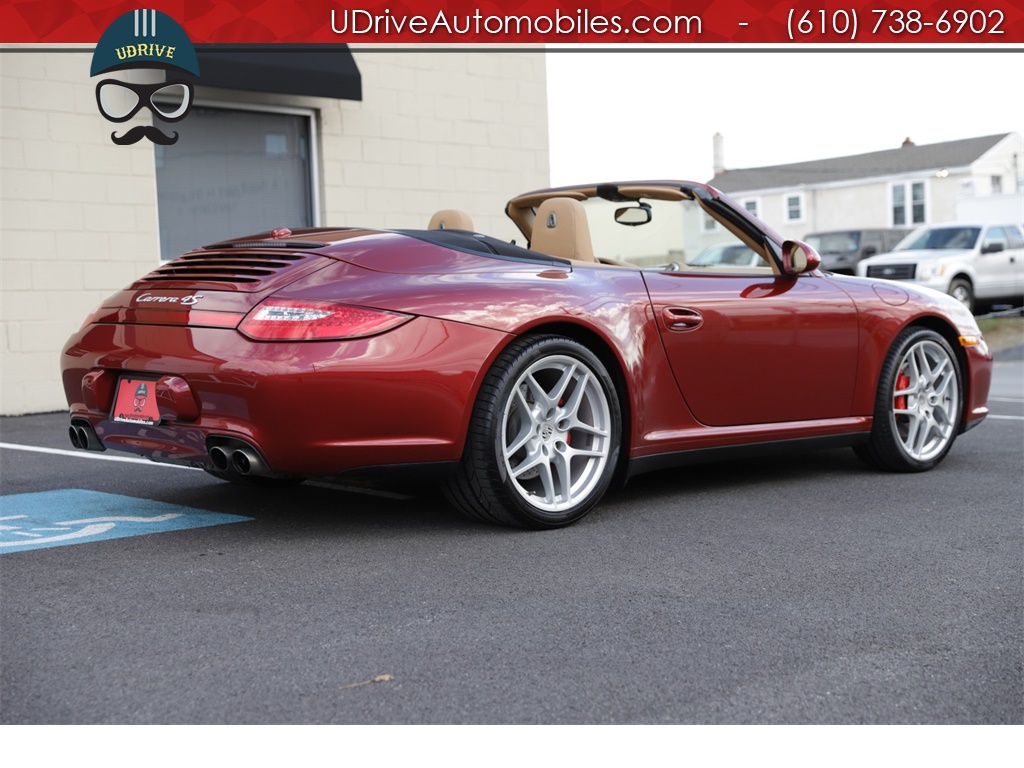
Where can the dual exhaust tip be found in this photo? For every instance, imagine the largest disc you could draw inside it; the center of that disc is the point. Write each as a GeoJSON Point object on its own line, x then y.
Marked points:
{"type": "Point", "coordinates": [245, 461]}
{"type": "Point", "coordinates": [239, 458]}
{"type": "Point", "coordinates": [84, 438]}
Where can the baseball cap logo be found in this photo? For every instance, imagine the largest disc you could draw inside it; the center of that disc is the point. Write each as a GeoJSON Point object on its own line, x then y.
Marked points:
{"type": "Point", "coordinates": [145, 39]}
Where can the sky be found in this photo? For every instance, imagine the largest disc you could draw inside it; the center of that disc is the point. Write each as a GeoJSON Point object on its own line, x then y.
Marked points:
{"type": "Point", "coordinates": [652, 115]}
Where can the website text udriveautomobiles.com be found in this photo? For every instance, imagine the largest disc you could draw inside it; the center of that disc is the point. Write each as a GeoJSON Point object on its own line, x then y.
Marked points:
{"type": "Point", "coordinates": [582, 22]}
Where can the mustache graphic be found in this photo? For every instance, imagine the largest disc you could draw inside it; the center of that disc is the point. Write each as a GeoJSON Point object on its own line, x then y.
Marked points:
{"type": "Point", "coordinates": [140, 132]}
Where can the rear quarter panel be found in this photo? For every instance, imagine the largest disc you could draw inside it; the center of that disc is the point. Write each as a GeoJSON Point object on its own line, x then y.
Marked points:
{"type": "Point", "coordinates": [606, 305]}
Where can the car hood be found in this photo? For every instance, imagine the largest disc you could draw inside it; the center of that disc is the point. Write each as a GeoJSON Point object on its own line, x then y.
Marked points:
{"type": "Point", "coordinates": [932, 301]}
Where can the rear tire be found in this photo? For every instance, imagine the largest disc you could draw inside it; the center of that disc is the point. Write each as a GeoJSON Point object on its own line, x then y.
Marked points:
{"type": "Point", "coordinates": [918, 405]}
{"type": "Point", "coordinates": [544, 437]}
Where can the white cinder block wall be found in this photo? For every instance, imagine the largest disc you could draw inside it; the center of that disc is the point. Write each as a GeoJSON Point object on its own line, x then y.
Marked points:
{"type": "Point", "coordinates": [78, 214]}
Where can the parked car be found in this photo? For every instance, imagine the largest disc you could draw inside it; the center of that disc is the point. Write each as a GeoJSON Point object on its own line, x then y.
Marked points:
{"type": "Point", "coordinates": [841, 250]}
{"type": "Point", "coordinates": [729, 255]}
{"type": "Point", "coordinates": [528, 380]}
{"type": "Point", "coordinates": [970, 262]}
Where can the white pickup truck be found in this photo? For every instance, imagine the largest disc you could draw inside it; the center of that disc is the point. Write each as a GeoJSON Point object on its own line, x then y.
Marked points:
{"type": "Point", "coordinates": [971, 262]}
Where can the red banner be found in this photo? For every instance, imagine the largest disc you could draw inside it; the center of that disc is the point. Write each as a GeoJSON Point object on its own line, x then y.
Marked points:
{"type": "Point", "coordinates": [607, 22]}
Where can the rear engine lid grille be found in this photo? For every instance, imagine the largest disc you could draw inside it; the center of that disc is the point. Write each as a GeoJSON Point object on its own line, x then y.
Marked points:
{"type": "Point", "coordinates": [290, 244]}
{"type": "Point", "coordinates": [239, 269]}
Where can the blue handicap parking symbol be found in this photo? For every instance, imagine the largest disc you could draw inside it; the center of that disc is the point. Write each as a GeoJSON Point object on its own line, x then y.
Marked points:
{"type": "Point", "coordinates": [56, 518]}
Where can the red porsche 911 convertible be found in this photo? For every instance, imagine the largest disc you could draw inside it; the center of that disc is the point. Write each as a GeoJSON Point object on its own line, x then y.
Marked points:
{"type": "Point", "coordinates": [528, 378]}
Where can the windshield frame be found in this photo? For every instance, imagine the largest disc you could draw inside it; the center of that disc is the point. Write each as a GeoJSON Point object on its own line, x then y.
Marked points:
{"type": "Point", "coordinates": [729, 215]}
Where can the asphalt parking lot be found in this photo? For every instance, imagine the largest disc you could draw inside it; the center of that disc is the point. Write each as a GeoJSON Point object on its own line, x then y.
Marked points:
{"type": "Point", "coordinates": [793, 589]}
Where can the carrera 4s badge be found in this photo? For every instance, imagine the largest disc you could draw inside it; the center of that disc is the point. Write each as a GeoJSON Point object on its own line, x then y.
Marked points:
{"type": "Point", "coordinates": [188, 301]}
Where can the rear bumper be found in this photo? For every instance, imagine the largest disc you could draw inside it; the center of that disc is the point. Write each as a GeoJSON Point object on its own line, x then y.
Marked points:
{"type": "Point", "coordinates": [311, 408]}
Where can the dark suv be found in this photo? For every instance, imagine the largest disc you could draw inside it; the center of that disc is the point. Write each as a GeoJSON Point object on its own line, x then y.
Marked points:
{"type": "Point", "coordinates": [842, 249]}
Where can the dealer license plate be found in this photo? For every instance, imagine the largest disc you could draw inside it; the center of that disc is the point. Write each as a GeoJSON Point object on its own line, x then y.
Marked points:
{"type": "Point", "coordinates": [136, 401]}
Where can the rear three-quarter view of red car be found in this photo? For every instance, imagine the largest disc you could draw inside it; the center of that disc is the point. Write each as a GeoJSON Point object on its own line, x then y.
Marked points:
{"type": "Point", "coordinates": [529, 379]}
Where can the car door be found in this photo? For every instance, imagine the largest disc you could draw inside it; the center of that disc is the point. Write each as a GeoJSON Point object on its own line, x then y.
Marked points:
{"type": "Point", "coordinates": [757, 348]}
{"type": "Point", "coordinates": [996, 264]}
{"type": "Point", "coordinates": [1015, 248]}
{"type": "Point", "coordinates": [871, 244]}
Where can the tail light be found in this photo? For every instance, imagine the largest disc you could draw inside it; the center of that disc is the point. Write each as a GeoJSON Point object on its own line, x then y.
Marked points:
{"type": "Point", "coordinates": [291, 320]}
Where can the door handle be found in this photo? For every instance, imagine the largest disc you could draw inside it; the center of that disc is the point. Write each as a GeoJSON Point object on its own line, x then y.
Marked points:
{"type": "Point", "coordinates": [681, 318]}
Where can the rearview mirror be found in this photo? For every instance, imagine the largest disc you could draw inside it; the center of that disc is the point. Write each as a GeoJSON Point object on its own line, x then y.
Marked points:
{"type": "Point", "coordinates": [633, 216]}
{"type": "Point", "coordinates": [799, 258]}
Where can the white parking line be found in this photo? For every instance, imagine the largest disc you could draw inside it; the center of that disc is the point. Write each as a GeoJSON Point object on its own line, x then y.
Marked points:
{"type": "Point", "coordinates": [147, 462]}
{"type": "Point", "coordinates": [87, 455]}
{"type": "Point", "coordinates": [1006, 418]}
{"type": "Point", "coordinates": [1006, 399]}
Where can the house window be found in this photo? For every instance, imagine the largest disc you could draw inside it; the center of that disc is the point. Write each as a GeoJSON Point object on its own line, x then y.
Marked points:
{"type": "Point", "coordinates": [794, 208]}
{"type": "Point", "coordinates": [997, 185]}
{"type": "Point", "coordinates": [234, 172]}
{"type": "Point", "coordinates": [752, 206]}
{"type": "Point", "coordinates": [708, 223]}
{"type": "Point", "coordinates": [908, 204]}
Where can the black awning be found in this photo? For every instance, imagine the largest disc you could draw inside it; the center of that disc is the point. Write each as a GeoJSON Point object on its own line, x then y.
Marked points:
{"type": "Point", "coordinates": [304, 70]}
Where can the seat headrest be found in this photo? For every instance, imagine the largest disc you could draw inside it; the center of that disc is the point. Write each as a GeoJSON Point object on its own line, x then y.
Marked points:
{"type": "Point", "coordinates": [561, 229]}
{"type": "Point", "coordinates": [450, 218]}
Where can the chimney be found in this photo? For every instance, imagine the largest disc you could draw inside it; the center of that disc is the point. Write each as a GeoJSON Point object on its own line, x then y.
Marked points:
{"type": "Point", "coordinates": [907, 142]}
{"type": "Point", "coordinates": [719, 154]}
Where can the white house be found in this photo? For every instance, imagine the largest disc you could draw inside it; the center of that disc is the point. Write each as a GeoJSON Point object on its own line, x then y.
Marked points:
{"type": "Point", "coordinates": [893, 188]}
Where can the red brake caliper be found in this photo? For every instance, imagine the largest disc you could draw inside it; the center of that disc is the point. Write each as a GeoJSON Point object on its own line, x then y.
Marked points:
{"type": "Point", "coordinates": [902, 382]}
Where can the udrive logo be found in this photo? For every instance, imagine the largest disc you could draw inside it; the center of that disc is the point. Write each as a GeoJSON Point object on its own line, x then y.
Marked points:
{"type": "Point", "coordinates": [144, 39]}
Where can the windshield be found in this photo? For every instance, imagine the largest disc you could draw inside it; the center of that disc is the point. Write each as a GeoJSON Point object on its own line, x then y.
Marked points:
{"type": "Point", "coordinates": [835, 242]}
{"type": "Point", "coordinates": [680, 234]}
{"type": "Point", "coordinates": [940, 238]}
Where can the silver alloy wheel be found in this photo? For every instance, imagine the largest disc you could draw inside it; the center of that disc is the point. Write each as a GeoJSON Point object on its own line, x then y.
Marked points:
{"type": "Point", "coordinates": [925, 402]}
{"type": "Point", "coordinates": [556, 433]}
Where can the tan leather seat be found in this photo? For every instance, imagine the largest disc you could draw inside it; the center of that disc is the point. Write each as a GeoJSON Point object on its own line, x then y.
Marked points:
{"type": "Point", "coordinates": [561, 229]}
{"type": "Point", "coordinates": [451, 218]}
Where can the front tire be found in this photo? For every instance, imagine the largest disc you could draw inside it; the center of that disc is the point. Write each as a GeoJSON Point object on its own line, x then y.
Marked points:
{"type": "Point", "coordinates": [544, 437]}
{"type": "Point", "coordinates": [918, 406]}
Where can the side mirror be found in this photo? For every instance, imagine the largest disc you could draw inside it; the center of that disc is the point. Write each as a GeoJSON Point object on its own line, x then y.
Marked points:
{"type": "Point", "coordinates": [991, 247]}
{"type": "Point", "coordinates": [633, 216]}
{"type": "Point", "coordinates": [799, 258]}
{"type": "Point", "coordinates": [870, 250]}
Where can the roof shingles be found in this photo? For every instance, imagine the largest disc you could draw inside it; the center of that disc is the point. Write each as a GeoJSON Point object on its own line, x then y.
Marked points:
{"type": "Point", "coordinates": [905, 159]}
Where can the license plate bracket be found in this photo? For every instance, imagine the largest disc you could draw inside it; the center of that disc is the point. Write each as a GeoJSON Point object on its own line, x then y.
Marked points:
{"type": "Point", "coordinates": [135, 402]}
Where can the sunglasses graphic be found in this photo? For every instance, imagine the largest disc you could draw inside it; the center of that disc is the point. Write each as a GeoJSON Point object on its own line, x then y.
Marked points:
{"type": "Point", "coordinates": [119, 101]}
